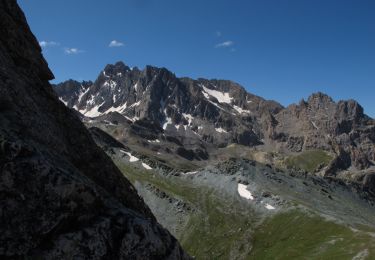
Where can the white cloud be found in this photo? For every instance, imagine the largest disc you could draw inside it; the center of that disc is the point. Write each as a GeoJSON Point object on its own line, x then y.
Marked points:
{"type": "Point", "coordinates": [218, 33]}
{"type": "Point", "coordinates": [225, 44]}
{"type": "Point", "coordinates": [45, 44]}
{"type": "Point", "coordinates": [72, 50]}
{"type": "Point", "coordinates": [115, 43]}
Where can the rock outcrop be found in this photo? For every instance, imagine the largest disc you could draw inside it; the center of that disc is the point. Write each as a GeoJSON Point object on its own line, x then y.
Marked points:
{"type": "Point", "coordinates": [60, 195]}
{"type": "Point", "coordinates": [339, 127]}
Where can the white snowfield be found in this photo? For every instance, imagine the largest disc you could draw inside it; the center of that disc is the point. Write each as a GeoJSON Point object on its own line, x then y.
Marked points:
{"type": "Point", "coordinates": [167, 122]}
{"type": "Point", "coordinates": [270, 207]}
{"type": "Point", "coordinates": [243, 192]}
{"type": "Point", "coordinates": [82, 93]}
{"type": "Point", "coordinates": [220, 130]}
{"type": "Point", "coordinates": [93, 112]}
{"type": "Point", "coordinates": [154, 141]}
{"type": "Point", "coordinates": [146, 166]}
{"type": "Point", "coordinates": [135, 104]}
{"type": "Point", "coordinates": [240, 110]}
{"type": "Point", "coordinates": [110, 83]}
{"type": "Point", "coordinates": [191, 173]}
{"type": "Point", "coordinates": [62, 100]}
{"type": "Point", "coordinates": [222, 97]}
{"type": "Point", "coordinates": [117, 109]}
{"type": "Point", "coordinates": [132, 158]}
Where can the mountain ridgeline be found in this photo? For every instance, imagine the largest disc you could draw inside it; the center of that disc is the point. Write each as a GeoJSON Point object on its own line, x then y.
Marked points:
{"type": "Point", "coordinates": [202, 115]}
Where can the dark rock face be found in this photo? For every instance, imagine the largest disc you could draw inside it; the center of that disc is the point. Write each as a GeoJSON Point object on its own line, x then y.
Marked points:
{"type": "Point", "coordinates": [60, 195]}
{"type": "Point", "coordinates": [104, 140]}
{"type": "Point", "coordinates": [369, 183]}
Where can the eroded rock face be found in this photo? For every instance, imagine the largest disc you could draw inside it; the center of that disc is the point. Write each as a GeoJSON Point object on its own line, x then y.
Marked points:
{"type": "Point", "coordinates": [60, 195]}
{"type": "Point", "coordinates": [320, 123]}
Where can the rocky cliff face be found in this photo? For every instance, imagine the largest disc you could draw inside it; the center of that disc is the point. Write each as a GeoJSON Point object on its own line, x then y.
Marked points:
{"type": "Point", "coordinates": [321, 123]}
{"type": "Point", "coordinates": [60, 195]}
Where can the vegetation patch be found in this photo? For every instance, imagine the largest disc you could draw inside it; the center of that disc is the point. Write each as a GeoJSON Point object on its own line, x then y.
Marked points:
{"type": "Point", "coordinates": [297, 235]}
{"type": "Point", "coordinates": [309, 160]}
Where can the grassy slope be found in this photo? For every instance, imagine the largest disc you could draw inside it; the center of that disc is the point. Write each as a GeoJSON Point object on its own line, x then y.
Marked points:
{"type": "Point", "coordinates": [294, 235]}
{"type": "Point", "coordinates": [226, 228]}
{"type": "Point", "coordinates": [308, 160]}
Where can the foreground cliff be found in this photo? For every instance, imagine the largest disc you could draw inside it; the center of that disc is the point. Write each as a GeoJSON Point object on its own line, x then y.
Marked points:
{"type": "Point", "coordinates": [60, 195]}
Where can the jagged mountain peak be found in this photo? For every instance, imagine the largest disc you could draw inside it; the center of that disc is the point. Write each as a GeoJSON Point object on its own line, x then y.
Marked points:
{"type": "Point", "coordinates": [320, 97]}
{"type": "Point", "coordinates": [116, 69]}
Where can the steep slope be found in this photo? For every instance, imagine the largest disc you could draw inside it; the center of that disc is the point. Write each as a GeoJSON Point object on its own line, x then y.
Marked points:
{"type": "Point", "coordinates": [60, 195]}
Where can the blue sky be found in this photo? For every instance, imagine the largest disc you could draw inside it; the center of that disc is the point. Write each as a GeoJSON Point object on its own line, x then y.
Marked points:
{"type": "Point", "coordinates": [280, 49]}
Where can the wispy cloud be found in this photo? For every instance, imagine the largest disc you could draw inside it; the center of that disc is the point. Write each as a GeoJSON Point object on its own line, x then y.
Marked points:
{"type": "Point", "coordinates": [72, 50]}
{"type": "Point", "coordinates": [45, 44]}
{"type": "Point", "coordinates": [218, 33]}
{"type": "Point", "coordinates": [225, 44]}
{"type": "Point", "coordinates": [115, 43]}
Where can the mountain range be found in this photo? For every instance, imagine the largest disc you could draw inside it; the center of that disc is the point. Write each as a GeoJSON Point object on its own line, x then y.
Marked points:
{"type": "Point", "coordinates": [193, 118]}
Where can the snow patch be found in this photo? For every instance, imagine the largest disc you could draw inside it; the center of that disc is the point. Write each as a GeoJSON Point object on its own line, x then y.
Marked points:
{"type": "Point", "coordinates": [93, 112]}
{"type": "Point", "coordinates": [240, 110]}
{"type": "Point", "coordinates": [110, 83]}
{"type": "Point", "coordinates": [190, 173]}
{"type": "Point", "coordinates": [243, 192]}
{"type": "Point", "coordinates": [269, 207]}
{"type": "Point", "coordinates": [117, 109]}
{"type": "Point", "coordinates": [146, 166]}
{"type": "Point", "coordinates": [82, 94]}
{"type": "Point", "coordinates": [188, 117]}
{"type": "Point", "coordinates": [220, 130]}
{"type": "Point", "coordinates": [154, 141]}
{"type": "Point", "coordinates": [167, 122]}
{"type": "Point", "coordinates": [135, 104]}
{"type": "Point", "coordinates": [62, 100]}
{"type": "Point", "coordinates": [222, 97]}
{"type": "Point", "coordinates": [132, 158]}
{"type": "Point", "coordinates": [314, 125]}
